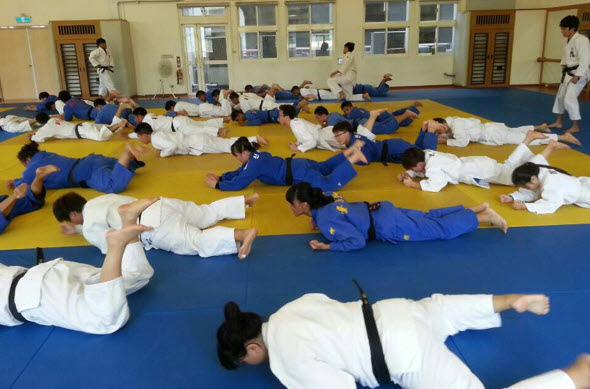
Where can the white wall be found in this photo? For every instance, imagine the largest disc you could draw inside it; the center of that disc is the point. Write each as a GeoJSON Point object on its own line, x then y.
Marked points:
{"type": "Point", "coordinates": [474, 5]}
{"type": "Point", "coordinates": [43, 11]}
{"type": "Point", "coordinates": [527, 47]}
{"type": "Point", "coordinates": [554, 42]}
{"type": "Point", "coordinates": [523, 4]}
{"type": "Point", "coordinates": [461, 55]}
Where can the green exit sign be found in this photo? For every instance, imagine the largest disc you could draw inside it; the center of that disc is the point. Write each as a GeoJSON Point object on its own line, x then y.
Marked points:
{"type": "Point", "coordinates": [23, 19]}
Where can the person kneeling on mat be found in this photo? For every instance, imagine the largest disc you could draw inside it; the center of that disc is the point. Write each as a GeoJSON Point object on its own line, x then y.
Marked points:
{"type": "Point", "coordinates": [316, 342]}
{"type": "Point", "coordinates": [78, 296]}
{"type": "Point", "coordinates": [348, 226]}
{"type": "Point", "coordinates": [178, 226]}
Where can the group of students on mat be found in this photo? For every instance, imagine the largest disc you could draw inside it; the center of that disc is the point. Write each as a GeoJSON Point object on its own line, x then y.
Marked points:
{"type": "Point", "coordinates": [312, 342]}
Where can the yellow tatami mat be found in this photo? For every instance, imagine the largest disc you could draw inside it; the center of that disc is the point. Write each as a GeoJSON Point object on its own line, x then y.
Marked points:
{"type": "Point", "coordinates": [4, 109]}
{"type": "Point", "coordinates": [183, 177]}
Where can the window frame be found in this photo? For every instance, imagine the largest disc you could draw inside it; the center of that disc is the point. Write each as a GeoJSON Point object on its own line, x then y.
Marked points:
{"type": "Point", "coordinates": [258, 29]}
{"type": "Point", "coordinates": [438, 24]}
{"type": "Point", "coordinates": [387, 25]}
{"type": "Point", "coordinates": [310, 28]}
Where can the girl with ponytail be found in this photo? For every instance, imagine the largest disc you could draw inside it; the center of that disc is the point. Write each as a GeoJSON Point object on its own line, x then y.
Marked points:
{"type": "Point", "coordinates": [348, 226]}
{"type": "Point", "coordinates": [329, 175]}
{"type": "Point", "coordinates": [545, 188]}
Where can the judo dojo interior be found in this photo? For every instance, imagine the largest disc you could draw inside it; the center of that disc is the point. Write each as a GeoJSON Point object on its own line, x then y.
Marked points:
{"type": "Point", "coordinates": [169, 340]}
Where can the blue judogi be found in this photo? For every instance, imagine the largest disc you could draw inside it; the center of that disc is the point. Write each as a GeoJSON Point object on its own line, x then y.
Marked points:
{"type": "Point", "coordinates": [346, 225]}
{"type": "Point", "coordinates": [257, 118]}
{"type": "Point", "coordinates": [95, 171]}
{"type": "Point", "coordinates": [106, 114]}
{"type": "Point", "coordinates": [42, 106]}
{"type": "Point", "coordinates": [27, 204]}
{"type": "Point", "coordinates": [210, 98]}
{"type": "Point", "coordinates": [335, 118]}
{"type": "Point", "coordinates": [260, 89]}
{"type": "Point", "coordinates": [78, 108]}
{"type": "Point", "coordinates": [329, 175]}
{"type": "Point", "coordinates": [386, 122]}
{"type": "Point", "coordinates": [286, 95]}
{"type": "Point", "coordinates": [170, 114]}
{"type": "Point", "coordinates": [373, 149]}
{"type": "Point", "coordinates": [378, 91]}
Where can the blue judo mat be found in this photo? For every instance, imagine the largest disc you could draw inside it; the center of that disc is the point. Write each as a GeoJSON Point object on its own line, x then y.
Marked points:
{"type": "Point", "coordinates": [170, 338]}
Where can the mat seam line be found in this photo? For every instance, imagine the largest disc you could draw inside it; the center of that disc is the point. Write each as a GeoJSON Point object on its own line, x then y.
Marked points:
{"type": "Point", "coordinates": [32, 358]}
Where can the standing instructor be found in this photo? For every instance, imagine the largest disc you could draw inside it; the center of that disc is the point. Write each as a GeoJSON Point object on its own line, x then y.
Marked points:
{"type": "Point", "coordinates": [102, 60]}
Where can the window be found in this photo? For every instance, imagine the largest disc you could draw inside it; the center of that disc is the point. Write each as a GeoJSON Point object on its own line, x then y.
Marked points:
{"type": "Point", "coordinates": [386, 27]}
{"type": "Point", "coordinates": [437, 27]}
{"type": "Point", "coordinates": [258, 31]}
{"type": "Point", "coordinates": [310, 29]}
{"type": "Point", "coordinates": [203, 11]}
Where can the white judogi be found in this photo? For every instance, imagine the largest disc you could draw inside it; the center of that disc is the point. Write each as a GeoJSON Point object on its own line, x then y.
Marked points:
{"type": "Point", "coordinates": [61, 129]}
{"type": "Point", "coordinates": [556, 189]}
{"type": "Point", "coordinates": [347, 79]}
{"type": "Point", "coordinates": [67, 294]}
{"type": "Point", "coordinates": [183, 124]}
{"type": "Point", "coordinates": [179, 226]}
{"type": "Point", "coordinates": [102, 57]}
{"type": "Point", "coordinates": [176, 143]}
{"type": "Point", "coordinates": [575, 52]}
{"type": "Point", "coordinates": [443, 168]}
{"type": "Point", "coordinates": [204, 109]}
{"type": "Point", "coordinates": [251, 101]}
{"type": "Point", "coordinates": [322, 94]}
{"type": "Point", "coordinates": [315, 342]}
{"type": "Point", "coordinates": [465, 130]}
{"type": "Point", "coordinates": [12, 123]}
{"type": "Point", "coordinates": [311, 135]}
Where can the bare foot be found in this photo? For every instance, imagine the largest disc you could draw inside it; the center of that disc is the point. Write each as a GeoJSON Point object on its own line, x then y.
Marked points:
{"type": "Point", "coordinates": [543, 128]}
{"type": "Point", "coordinates": [341, 95]}
{"type": "Point", "coordinates": [534, 303]}
{"type": "Point", "coordinates": [20, 191]}
{"type": "Point", "coordinates": [410, 114]}
{"type": "Point", "coordinates": [366, 96]}
{"type": "Point", "coordinates": [251, 199]}
{"type": "Point", "coordinates": [579, 372]}
{"type": "Point", "coordinates": [495, 219]}
{"type": "Point", "coordinates": [387, 75]}
{"type": "Point", "coordinates": [223, 132]}
{"type": "Point", "coordinates": [569, 138]}
{"type": "Point", "coordinates": [130, 212]}
{"type": "Point", "coordinates": [356, 154]}
{"type": "Point", "coordinates": [135, 150]}
{"type": "Point", "coordinates": [480, 208]}
{"type": "Point", "coordinates": [261, 140]}
{"type": "Point", "coordinates": [555, 125]}
{"type": "Point", "coordinates": [573, 130]}
{"type": "Point", "coordinates": [418, 104]}
{"type": "Point", "coordinates": [44, 171]}
{"type": "Point", "coordinates": [250, 235]}
{"type": "Point", "coordinates": [532, 135]}
{"type": "Point", "coordinates": [557, 145]}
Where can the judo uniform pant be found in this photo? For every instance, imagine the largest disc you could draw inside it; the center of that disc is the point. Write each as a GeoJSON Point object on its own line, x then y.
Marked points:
{"type": "Point", "coordinates": [103, 174]}
{"type": "Point", "coordinates": [499, 134]}
{"type": "Point", "coordinates": [215, 110]}
{"type": "Point", "coordinates": [96, 132]}
{"type": "Point", "coordinates": [379, 91]}
{"type": "Point", "coordinates": [187, 125]}
{"type": "Point", "coordinates": [396, 147]}
{"type": "Point", "coordinates": [329, 175]}
{"type": "Point", "coordinates": [105, 83]}
{"type": "Point", "coordinates": [400, 224]}
{"type": "Point", "coordinates": [567, 97]}
{"type": "Point", "coordinates": [208, 144]}
{"type": "Point", "coordinates": [503, 171]}
{"type": "Point", "coordinates": [386, 122]}
{"type": "Point", "coordinates": [340, 83]}
{"type": "Point", "coordinates": [17, 127]}
{"type": "Point", "coordinates": [72, 297]}
{"type": "Point", "coordinates": [27, 204]}
{"type": "Point", "coordinates": [184, 227]}
{"type": "Point", "coordinates": [441, 316]}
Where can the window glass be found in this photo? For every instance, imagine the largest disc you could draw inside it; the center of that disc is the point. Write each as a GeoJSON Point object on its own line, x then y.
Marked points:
{"type": "Point", "coordinates": [375, 41]}
{"type": "Point", "coordinates": [447, 12]}
{"type": "Point", "coordinates": [375, 12]}
{"type": "Point", "coordinates": [298, 13]}
{"type": "Point", "coordinates": [398, 11]}
{"type": "Point", "coordinates": [321, 43]}
{"type": "Point", "coordinates": [266, 15]}
{"type": "Point", "coordinates": [268, 42]}
{"type": "Point", "coordinates": [427, 12]}
{"type": "Point", "coordinates": [396, 40]}
{"type": "Point", "coordinates": [321, 13]}
{"type": "Point", "coordinates": [299, 44]}
{"type": "Point", "coordinates": [249, 45]}
{"type": "Point", "coordinates": [445, 40]}
{"type": "Point", "coordinates": [247, 15]}
{"type": "Point", "coordinates": [427, 38]}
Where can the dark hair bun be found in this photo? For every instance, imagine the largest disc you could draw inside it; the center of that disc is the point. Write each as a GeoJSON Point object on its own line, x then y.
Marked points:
{"type": "Point", "coordinates": [231, 311]}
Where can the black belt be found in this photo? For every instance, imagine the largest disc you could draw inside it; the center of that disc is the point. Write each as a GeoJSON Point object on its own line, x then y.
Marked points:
{"type": "Point", "coordinates": [289, 171]}
{"type": "Point", "coordinates": [172, 125]}
{"type": "Point", "coordinates": [372, 235]}
{"type": "Point", "coordinates": [73, 182]}
{"type": "Point", "coordinates": [267, 116]}
{"type": "Point", "coordinates": [568, 70]}
{"type": "Point", "coordinates": [261, 104]}
{"type": "Point", "coordinates": [319, 97]}
{"type": "Point", "coordinates": [380, 370]}
{"type": "Point", "coordinates": [76, 131]}
{"type": "Point", "coordinates": [384, 152]}
{"type": "Point", "coordinates": [11, 304]}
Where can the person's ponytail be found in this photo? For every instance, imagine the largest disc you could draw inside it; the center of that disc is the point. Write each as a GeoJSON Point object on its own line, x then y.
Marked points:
{"type": "Point", "coordinates": [522, 175]}
{"type": "Point", "coordinates": [305, 193]}
{"type": "Point", "coordinates": [237, 329]}
{"type": "Point", "coordinates": [243, 144]}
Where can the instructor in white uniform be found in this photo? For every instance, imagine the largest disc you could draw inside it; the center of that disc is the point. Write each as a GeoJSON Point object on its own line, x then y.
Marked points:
{"type": "Point", "coordinates": [316, 342]}
{"type": "Point", "coordinates": [575, 63]}
{"type": "Point", "coordinates": [102, 60]}
{"type": "Point", "coordinates": [343, 79]}
{"type": "Point", "coordinates": [78, 296]}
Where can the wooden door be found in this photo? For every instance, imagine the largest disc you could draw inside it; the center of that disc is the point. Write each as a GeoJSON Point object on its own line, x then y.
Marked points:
{"type": "Point", "coordinates": [16, 69]}
{"type": "Point", "coordinates": [499, 59]}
